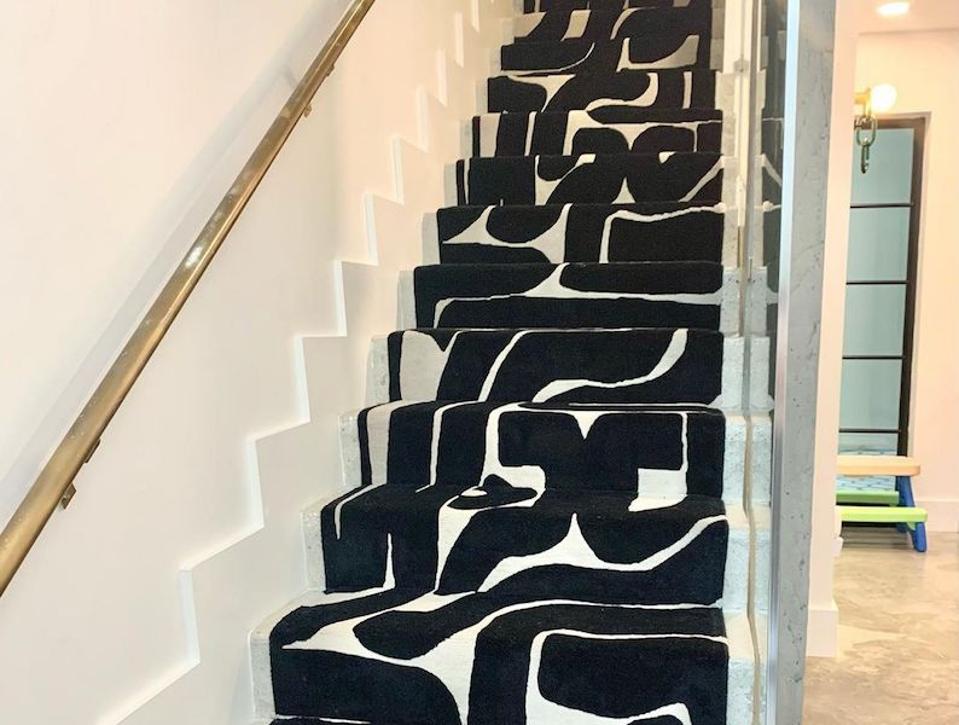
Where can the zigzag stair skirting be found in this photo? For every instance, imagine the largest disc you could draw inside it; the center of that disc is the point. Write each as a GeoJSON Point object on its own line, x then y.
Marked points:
{"type": "Point", "coordinates": [544, 517]}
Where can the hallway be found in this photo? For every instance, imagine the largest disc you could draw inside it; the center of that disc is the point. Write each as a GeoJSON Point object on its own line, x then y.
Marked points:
{"type": "Point", "coordinates": [898, 635]}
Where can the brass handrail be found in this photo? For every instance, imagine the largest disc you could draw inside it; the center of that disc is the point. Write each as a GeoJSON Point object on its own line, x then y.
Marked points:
{"type": "Point", "coordinates": [54, 485]}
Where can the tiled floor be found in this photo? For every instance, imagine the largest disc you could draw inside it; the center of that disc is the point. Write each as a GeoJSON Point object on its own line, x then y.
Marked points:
{"type": "Point", "coordinates": [898, 635]}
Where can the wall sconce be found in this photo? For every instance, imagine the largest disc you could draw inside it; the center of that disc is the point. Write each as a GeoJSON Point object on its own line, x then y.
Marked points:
{"type": "Point", "coordinates": [879, 98]}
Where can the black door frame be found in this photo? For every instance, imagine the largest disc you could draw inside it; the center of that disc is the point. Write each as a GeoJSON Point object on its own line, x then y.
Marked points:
{"type": "Point", "coordinates": [918, 125]}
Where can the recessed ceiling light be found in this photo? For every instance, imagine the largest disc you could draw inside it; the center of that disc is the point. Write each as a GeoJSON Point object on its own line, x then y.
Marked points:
{"type": "Point", "coordinates": [894, 9]}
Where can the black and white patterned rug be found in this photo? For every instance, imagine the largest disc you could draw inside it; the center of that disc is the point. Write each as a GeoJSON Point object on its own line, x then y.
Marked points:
{"type": "Point", "coordinates": [545, 523]}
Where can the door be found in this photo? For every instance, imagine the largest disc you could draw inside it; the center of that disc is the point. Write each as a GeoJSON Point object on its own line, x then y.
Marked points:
{"type": "Point", "coordinates": [881, 292]}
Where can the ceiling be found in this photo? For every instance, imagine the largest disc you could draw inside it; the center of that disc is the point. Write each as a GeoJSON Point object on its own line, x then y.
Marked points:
{"type": "Point", "coordinates": [923, 15]}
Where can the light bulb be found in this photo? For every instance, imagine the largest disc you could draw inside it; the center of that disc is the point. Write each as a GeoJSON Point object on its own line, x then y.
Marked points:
{"type": "Point", "coordinates": [894, 9]}
{"type": "Point", "coordinates": [883, 97]}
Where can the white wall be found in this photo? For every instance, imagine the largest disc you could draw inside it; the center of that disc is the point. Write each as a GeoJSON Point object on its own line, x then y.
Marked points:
{"type": "Point", "coordinates": [920, 65]}
{"type": "Point", "coordinates": [123, 123]}
{"type": "Point", "coordinates": [114, 117]}
{"type": "Point", "coordinates": [823, 616]}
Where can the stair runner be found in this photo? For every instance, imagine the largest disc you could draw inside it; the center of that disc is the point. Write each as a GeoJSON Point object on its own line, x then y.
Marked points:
{"type": "Point", "coordinates": [546, 522]}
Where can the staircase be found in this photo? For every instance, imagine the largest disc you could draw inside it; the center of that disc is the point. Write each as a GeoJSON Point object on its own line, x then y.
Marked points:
{"type": "Point", "coordinates": [545, 520]}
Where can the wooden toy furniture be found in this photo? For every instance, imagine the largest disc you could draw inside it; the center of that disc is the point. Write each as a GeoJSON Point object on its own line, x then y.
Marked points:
{"type": "Point", "coordinates": [883, 506]}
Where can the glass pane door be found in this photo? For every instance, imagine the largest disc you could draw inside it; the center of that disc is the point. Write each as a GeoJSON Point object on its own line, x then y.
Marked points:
{"type": "Point", "coordinates": [880, 292]}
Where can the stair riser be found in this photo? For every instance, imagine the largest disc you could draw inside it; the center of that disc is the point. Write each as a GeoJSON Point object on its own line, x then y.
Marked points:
{"type": "Point", "coordinates": [356, 543]}
{"type": "Point", "coordinates": [368, 690]}
{"type": "Point", "coordinates": [325, 682]}
{"type": "Point", "coordinates": [589, 179]}
{"type": "Point", "coordinates": [760, 518]}
{"type": "Point", "coordinates": [585, 91]}
{"type": "Point", "coordinates": [581, 233]}
{"type": "Point", "coordinates": [563, 447]}
{"type": "Point", "coordinates": [672, 452]}
{"type": "Point", "coordinates": [671, 49]}
{"type": "Point", "coordinates": [569, 296]}
{"type": "Point", "coordinates": [312, 675]}
{"type": "Point", "coordinates": [390, 533]}
{"type": "Point", "coordinates": [606, 25]}
{"type": "Point", "coordinates": [691, 368]}
{"type": "Point", "coordinates": [579, 132]}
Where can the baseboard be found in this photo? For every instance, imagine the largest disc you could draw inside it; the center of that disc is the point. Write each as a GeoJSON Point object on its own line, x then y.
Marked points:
{"type": "Point", "coordinates": [943, 514]}
{"type": "Point", "coordinates": [822, 634]}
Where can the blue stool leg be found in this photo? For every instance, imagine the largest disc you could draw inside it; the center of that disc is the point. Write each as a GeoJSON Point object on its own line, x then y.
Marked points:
{"type": "Point", "coordinates": [917, 532]}
{"type": "Point", "coordinates": [919, 538]}
{"type": "Point", "coordinates": [901, 528]}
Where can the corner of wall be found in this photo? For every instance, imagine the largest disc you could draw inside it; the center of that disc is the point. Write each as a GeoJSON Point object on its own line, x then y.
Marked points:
{"type": "Point", "coordinates": [823, 620]}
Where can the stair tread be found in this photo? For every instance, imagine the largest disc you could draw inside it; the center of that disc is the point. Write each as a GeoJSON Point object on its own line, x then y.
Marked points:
{"type": "Point", "coordinates": [538, 6]}
{"type": "Point", "coordinates": [622, 75]}
{"type": "Point", "coordinates": [643, 207]}
{"type": "Point", "coordinates": [651, 514]}
{"type": "Point", "coordinates": [569, 43]}
{"type": "Point", "coordinates": [573, 406]}
{"type": "Point", "coordinates": [652, 268]}
{"type": "Point", "coordinates": [634, 74]}
{"type": "Point", "coordinates": [626, 277]}
{"type": "Point", "coordinates": [623, 114]}
{"type": "Point", "coordinates": [660, 157]}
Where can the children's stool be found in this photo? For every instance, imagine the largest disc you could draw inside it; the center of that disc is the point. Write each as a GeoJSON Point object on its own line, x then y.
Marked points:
{"type": "Point", "coordinates": [883, 507]}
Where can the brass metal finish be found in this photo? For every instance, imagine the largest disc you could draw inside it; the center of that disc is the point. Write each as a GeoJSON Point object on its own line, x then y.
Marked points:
{"type": "Point", "coordinates": [866, 128]}
{"type": "Point", "coordinates": [54, 485]}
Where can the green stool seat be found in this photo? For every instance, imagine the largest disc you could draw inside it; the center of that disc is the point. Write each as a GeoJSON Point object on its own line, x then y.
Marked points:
{"type": "Point", "coordinates": [883, 515]}
{"type": "Point", "coordinates": [889, 497]}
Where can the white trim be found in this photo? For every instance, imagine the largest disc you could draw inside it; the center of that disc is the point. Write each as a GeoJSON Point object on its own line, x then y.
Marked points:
{"type": "Point", "coordinates": [406, 301]}
{"type": "Point", "coordinates": [378, 372]}
{"type": "Point", "coordinates": [740, 692]}
{"type": "Point", "coordinates": [731, 393]}
{"type": "Point", "coordinates": [822, 633]}
{"type": "Point", "coordinates": [736, 577]}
